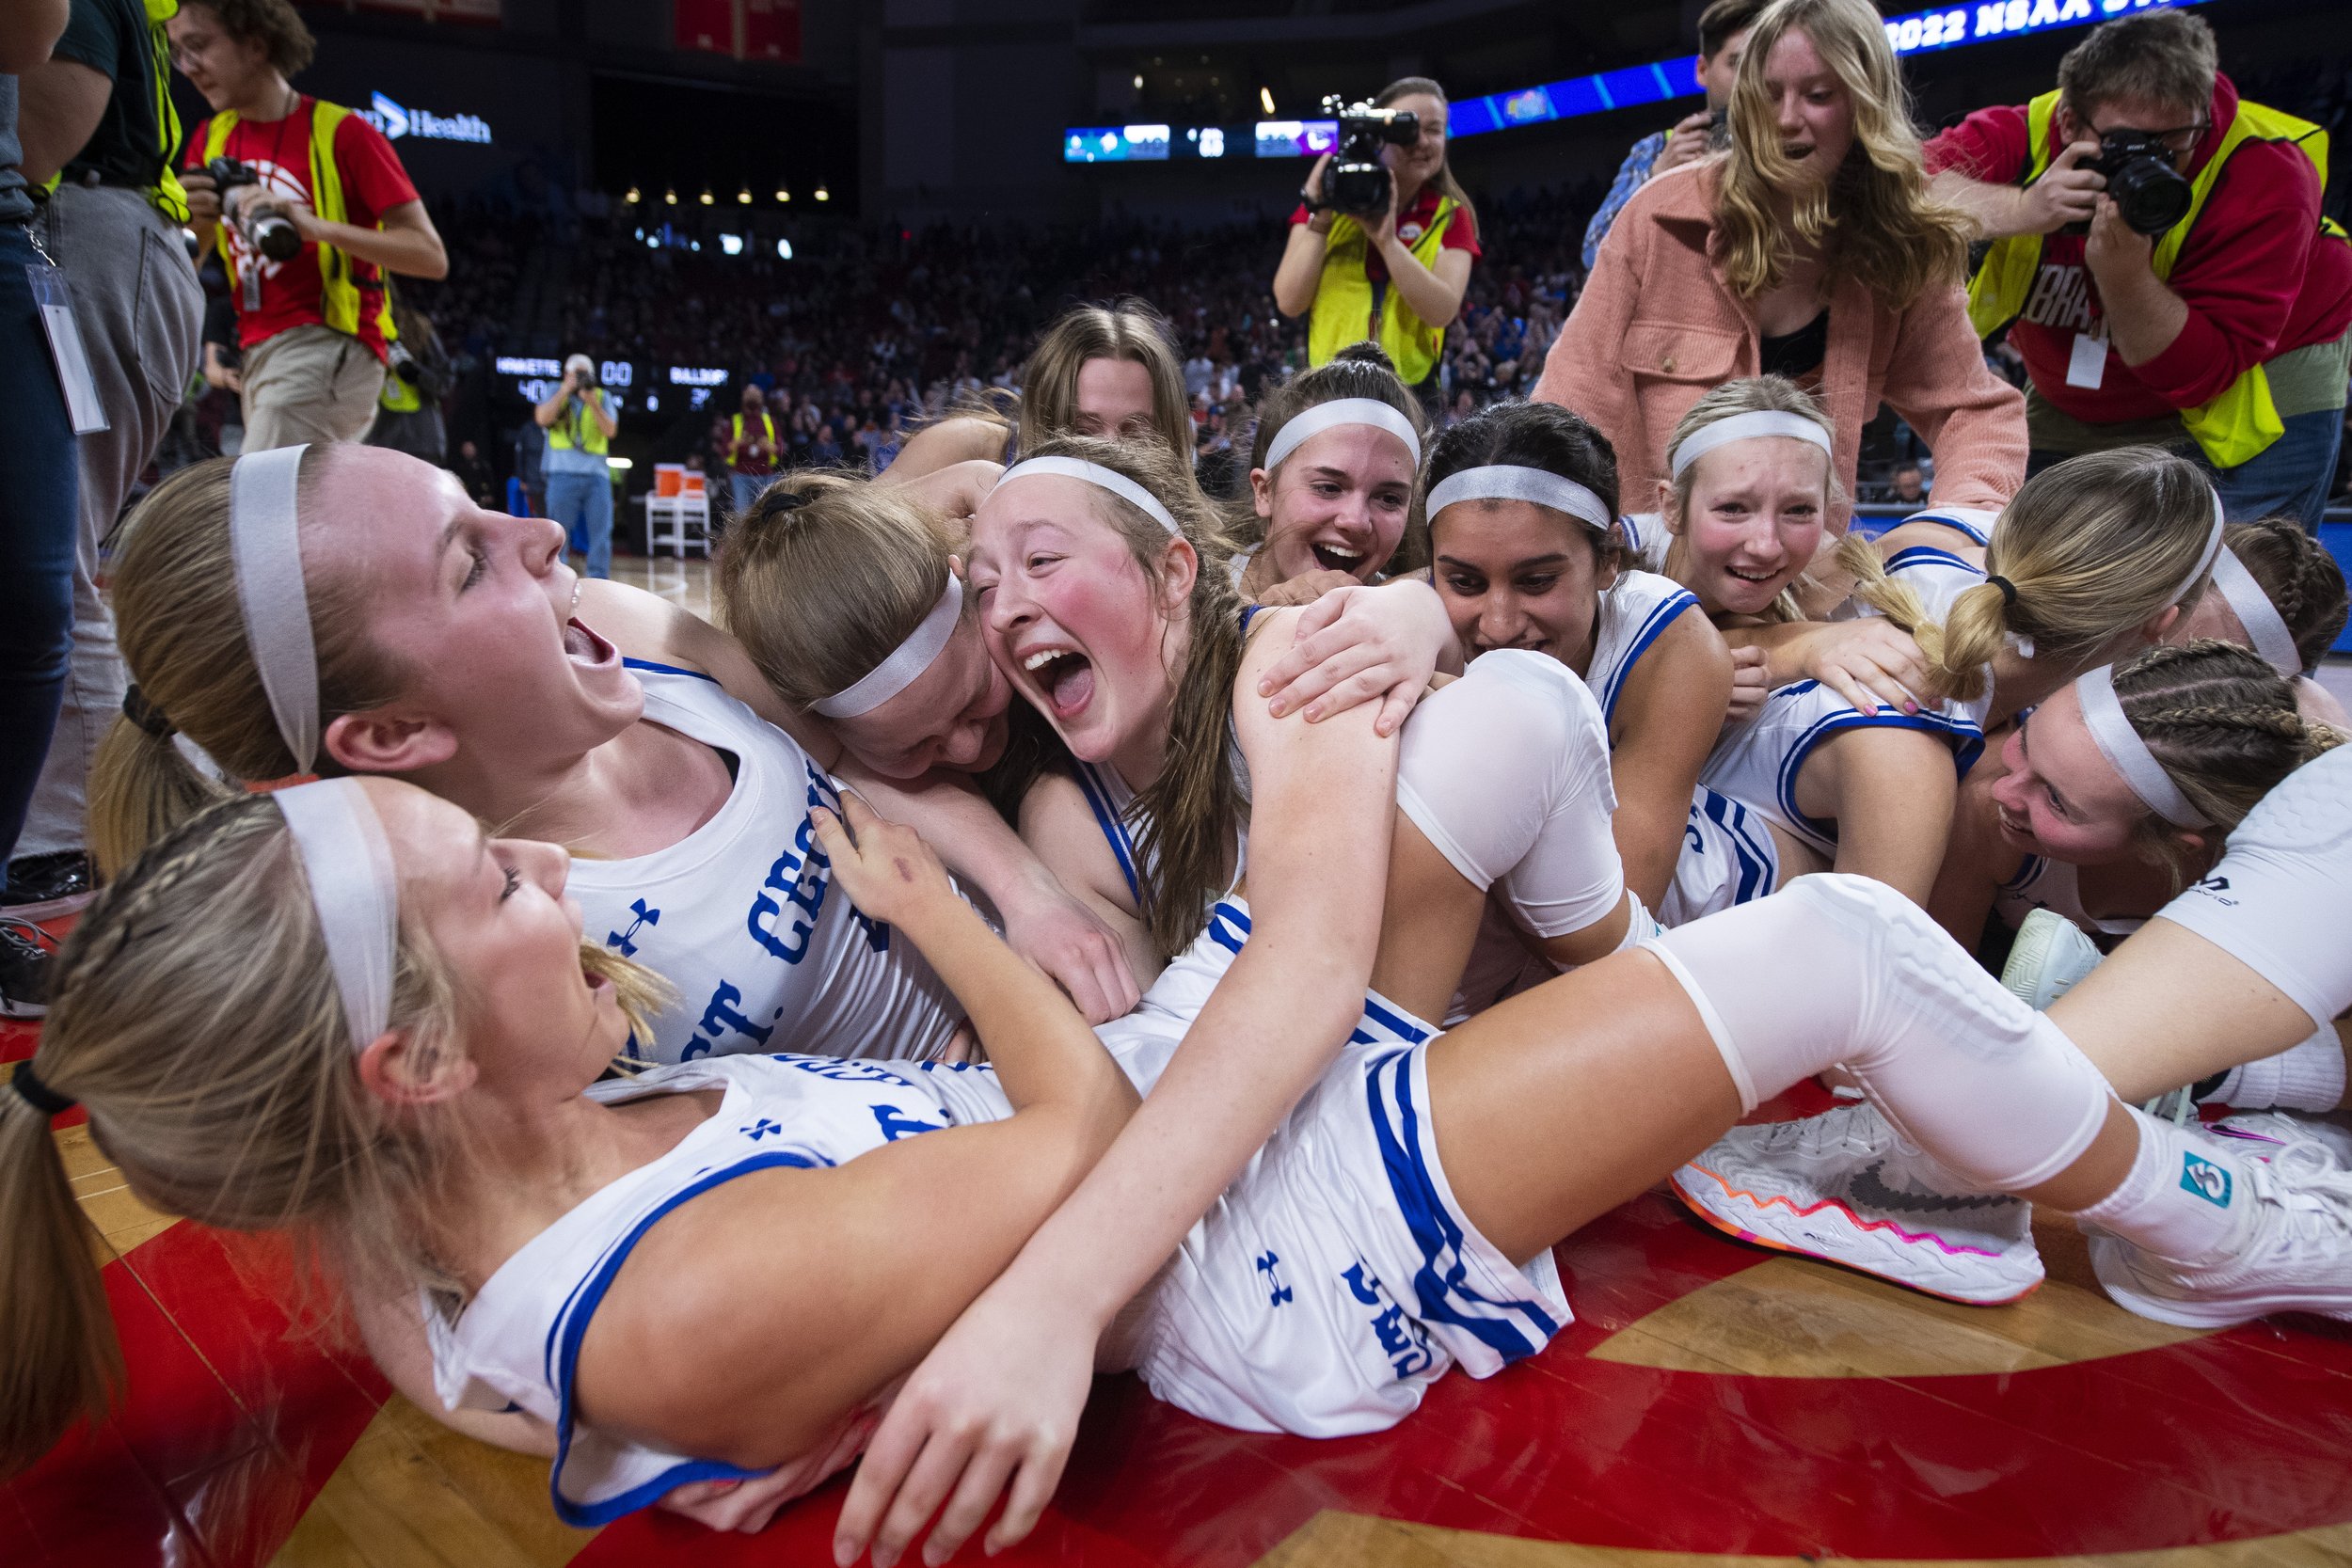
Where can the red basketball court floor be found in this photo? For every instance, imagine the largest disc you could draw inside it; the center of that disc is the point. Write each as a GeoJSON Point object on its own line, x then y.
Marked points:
{"type": "Point", "coordinates": [1712, 1402]}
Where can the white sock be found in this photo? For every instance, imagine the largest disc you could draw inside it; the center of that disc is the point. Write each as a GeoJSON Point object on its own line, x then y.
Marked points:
{"type": "Point", "coordinates": [2304, 1077]}
{"type": "Point", "coordinates": [2182, 1199]}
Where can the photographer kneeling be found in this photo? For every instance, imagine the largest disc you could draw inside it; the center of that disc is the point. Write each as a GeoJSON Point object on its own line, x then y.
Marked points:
{"type": "Point", "coordinates": [2162, 265]}
{"type": "Point", "coordinates": [1388, 266]}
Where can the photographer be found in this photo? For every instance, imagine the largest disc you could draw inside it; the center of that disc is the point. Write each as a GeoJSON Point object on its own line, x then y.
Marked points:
{"type": "Point", "coordinates": [2160, 262]}
{"type": "Point", "coordinates": [1811, 250]}
{"type": "Point", "coordinates": [580, 422]}
{"type": "Point", "coordinates": [316, 203]}
{"type": "Point", "coordinates": [1394, 273]}
{"type": "Point", "coordinates": [1723, 38]}
{"type": "Point", "coordinates": [753, 455]}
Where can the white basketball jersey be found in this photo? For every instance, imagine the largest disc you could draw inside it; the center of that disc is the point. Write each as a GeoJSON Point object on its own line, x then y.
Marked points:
{"type": "Point", "coordinates": [1645, 537]}
{"type": "Point", "coordinates": [517, 1341]}
{"type": "Point", "coordinates": [2042, 883]}
{"type": "Point", "coordinates": [1638, 607]}
{"type": "Point", "coordinates": [742, 917]}
{"type": "Point", "coordinates": [1756, 765]}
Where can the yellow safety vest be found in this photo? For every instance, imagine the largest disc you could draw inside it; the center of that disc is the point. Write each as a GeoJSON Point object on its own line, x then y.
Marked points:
{"type": "Point", "coordinates": [578, 429]}
{"type": "Point", "coordinates": [767, 423]}
{"type": "Point", "coordinates": [1342, 309]}
{"type": "Point", "coordinates": [167, 195]}
{"type": "Point", "coordinates": [339, 294]}
{"type": "Point", "coordinates": [2238, 424]}
{"type": "Point", "coordinates": [399, 396]}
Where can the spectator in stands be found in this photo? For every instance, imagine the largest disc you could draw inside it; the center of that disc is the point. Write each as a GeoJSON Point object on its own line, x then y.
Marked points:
{"type": "Point", "coordinates": [313, 326]}
{"type": "Point", "coordinates": [578, 419]}
{"type": "Point", "coordinates": [474, 473]}
{"type": "Point", "coordinates": [753, 452]}
{"type": "Point", "coordinates": [2228, 331]}
{"type": "Point", "coordinates": [1723, 37]}
{"type": "Point", "coordinates": [1398, 278]}
{"type": "Point", "coordinates": [99, 120]}
{"type": "Point", "coordinates": [1909, 488]}
{"type": "Point", "coordinates": [1811, 250]}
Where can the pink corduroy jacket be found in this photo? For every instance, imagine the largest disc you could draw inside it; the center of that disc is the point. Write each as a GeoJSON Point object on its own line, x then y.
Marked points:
{"type": "Point", "coordinates": [1657, 325]}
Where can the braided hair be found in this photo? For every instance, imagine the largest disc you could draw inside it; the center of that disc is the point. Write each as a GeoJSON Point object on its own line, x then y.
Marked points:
{"type": "Point", "coordinates": [2302, 580]}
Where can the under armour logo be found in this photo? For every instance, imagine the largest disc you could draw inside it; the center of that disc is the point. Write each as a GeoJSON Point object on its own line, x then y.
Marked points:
{"type": "Point", "coordinates": [1276, 1293]}
{"type": "Point", "coordinates": [625, 941]}
{"type": "Point", "coordinates": [760, 1129]}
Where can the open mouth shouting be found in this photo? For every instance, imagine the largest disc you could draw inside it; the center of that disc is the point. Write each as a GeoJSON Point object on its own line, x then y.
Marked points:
{"type": "Point", "coordinates": [1064, 675]}
{"type": "Point", "coordinates": [1337, 558]}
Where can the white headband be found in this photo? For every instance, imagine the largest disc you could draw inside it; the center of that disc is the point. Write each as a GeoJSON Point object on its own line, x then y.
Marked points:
{"type": "Point", "coordinates": [1095, 474]}
{"type": "Point", "coordinates": [1746, 427]}
{"type": "Point", "coordinates": [265, 546]}
{"type": "Point", "coordinates": [1508, 482]}
{"type": "Point", "coordinates": [345, 859]}
{"type": "Point", "coordinates": [1340, 411]}
{"type": "Point", "coordinates": [907, 660]}
{"type": "Point", "coordinates": [2207, 557]}
{"type": "Point", "coordinates": [2121, 746]}
{"type": "Point", "coordinates": [2244, 595]}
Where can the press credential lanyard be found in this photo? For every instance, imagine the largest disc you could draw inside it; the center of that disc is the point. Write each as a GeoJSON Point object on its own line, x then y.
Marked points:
{"type": "Point", "coordinates": [55, 299]}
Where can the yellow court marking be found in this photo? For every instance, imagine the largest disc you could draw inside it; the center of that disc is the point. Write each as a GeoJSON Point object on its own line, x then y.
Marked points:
{"type": "Point", "coordinates": [1358, 1541]}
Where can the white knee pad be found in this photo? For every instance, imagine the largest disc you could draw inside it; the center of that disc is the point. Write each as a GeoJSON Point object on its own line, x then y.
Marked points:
{"type": "Point", "coordinates": [1841, 969]}
{"type": "Point", "coordinates": [1506, 772]}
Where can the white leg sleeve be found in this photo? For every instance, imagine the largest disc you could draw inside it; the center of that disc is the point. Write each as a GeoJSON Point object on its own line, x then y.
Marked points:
{"type": "Point", "coordinates": [2280, 899]}
{"type": "Point", "coordinates": [1841, 969]}
{"type": "Point", "coordinates": [1506, 771]}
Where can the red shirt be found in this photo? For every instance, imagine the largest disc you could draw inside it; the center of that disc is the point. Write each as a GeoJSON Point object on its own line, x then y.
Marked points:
{"type": "Point", "coordinates": [280, 151]}
{"type": "Point", "coordinates": [2257, 276]}
{"type": "Point", "coordinates": [1461, 233]}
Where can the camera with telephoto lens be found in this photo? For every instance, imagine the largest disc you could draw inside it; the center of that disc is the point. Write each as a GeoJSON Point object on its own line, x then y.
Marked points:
{"type": "Point", "coordinates": [2150, 196]}
{"type": "Point", "coordinates": [401, 363]}
{"type": "Point", "coordinates": [1356, 182]}
{"type": "Point", "coordinates": [267, 233]}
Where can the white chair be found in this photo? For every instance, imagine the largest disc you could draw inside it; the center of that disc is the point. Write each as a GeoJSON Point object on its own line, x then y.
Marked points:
{"type": "Point", "coordinates": [678, 501]}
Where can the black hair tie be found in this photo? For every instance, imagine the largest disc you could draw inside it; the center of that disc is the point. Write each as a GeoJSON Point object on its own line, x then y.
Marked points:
{"type": "Point", "coordinates": [2008, 589]}
{"type": "Point", "coordinates": [40, 1096]}
{"type": "Point", "coordinates": [136, 708]}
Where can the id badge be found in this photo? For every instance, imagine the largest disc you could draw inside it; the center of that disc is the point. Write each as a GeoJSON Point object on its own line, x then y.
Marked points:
{"type": "Point", "coordinates": [2088, 365]}
{"type": "Point", "coordinates": [56, 300]}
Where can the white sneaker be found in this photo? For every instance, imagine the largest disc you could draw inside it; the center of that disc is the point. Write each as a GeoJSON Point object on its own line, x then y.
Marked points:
{"type": "Point", "coordinates": [2050, 955]}
{"type": "Point", "coordinates": [2293, 1252]}
{"type": "Point", "coordinates": [1846, 1188]}
{"type": "Point", "coordinates": [2259, 1135]}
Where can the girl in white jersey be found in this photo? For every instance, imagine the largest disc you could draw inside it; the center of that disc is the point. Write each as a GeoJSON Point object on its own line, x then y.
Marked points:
{"type": "Point", "coordinates": [411, 1052]}
{"type": "Point", "coordinates": [1542, 570]}
{"type": "Point", "coordinates": [1331, 471]}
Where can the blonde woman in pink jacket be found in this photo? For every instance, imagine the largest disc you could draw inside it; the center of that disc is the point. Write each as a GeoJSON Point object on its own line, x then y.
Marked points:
{"type": "Point", "coordinates": [1811, 250]}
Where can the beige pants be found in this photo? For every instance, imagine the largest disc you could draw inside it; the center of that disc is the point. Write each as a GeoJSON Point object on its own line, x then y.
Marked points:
{"type": "Point", "coordinates": [309, 383]}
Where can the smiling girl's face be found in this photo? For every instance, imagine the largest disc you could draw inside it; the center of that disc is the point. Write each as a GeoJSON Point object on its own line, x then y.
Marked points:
{"type": "Point", "coordinates": [1515, 575]}
{"type": "Point", "coordinates": [1073, 619]}
{"type": "Point", "coordinates": [1757, 512]}
{"type": "Point", "coordinates": [2061, 798]}
{"type": "Point", "coordinates": [1337, 504]}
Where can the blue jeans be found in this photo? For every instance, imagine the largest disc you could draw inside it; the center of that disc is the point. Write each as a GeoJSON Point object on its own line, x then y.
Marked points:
{"type": "Point", "coordinates": [2290, 477]}
{"type": "Point", "coordinates": [745, 489]}
{"type": "Point", "coordinates": [40, 496]}
{"type": "Point", "coordinates": [583, 504]}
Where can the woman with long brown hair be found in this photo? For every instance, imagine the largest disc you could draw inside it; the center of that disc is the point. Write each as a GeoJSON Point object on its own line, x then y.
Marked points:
{"type": "Point", "coordinates": [1811, 250]}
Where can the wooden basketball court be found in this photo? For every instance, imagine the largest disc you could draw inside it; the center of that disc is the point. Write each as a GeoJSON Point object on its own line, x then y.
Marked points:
{"type": "Point", "coordinates": [1713, 1403]}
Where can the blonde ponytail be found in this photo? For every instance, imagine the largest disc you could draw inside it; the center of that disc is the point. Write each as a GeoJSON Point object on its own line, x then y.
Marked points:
{"type": "Point", "coordinates": [58, 1357]}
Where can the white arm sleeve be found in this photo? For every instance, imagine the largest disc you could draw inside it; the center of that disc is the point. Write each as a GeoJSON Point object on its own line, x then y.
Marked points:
{"type": "Point", "coordinates": [1506, 771]}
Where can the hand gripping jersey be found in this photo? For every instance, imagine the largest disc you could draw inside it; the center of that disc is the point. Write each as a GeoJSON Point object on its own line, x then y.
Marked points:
{"type": "Point", "coordinates": [1334, 1281]}
{"type": "Point", "coordinates": [1756, 765]}
{"type": "Point", "coordinates": [742, 914]}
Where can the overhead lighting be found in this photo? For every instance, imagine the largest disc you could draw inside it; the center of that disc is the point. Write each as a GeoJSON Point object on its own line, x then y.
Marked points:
{"type": "Point", "coordinates": [744, 196]}
{"type": "Point", "coordinates": [1266, 100]}
{"type": "Point", "coordinates": [1138, 81]}
{"type": "Point", "coordinates": [782, 195]}
{"type": "Point", "coordinates": [632, 196]}
{"type": "Point", "coordinates": [670, 197]}
{"type": "Point", "coordinates": [783, 249]}
{"type": "Point", "coordinates": [823, 195]}
{"type": "Point", "coordinates": [707, 197]}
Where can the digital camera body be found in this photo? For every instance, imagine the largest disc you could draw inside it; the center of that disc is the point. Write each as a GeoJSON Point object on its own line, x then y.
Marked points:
{"type": "Point", "coordinates": [267, 233]}
{"type": "Point", "coordinates": [2149, 194]}
{"type": "Point", "coordinates": [1357, 183]}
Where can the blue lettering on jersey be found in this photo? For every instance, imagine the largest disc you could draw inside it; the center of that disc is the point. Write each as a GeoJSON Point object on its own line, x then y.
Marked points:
{"type": "Point", "coordinates": [1276, 1293]}
{"type": "Point", "coordinates": [1399, 1337]}
{"type": "Point", "coordinates": [626, 941]}
{"type": "Point", "coordinates": [802, 874]}
{"type": "Point", "coordinates": [896, 1124]}
{"type": "Point", "coordinates": [719, 1018]}
{"type": "Point", "coordinates": [843, 1071]}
